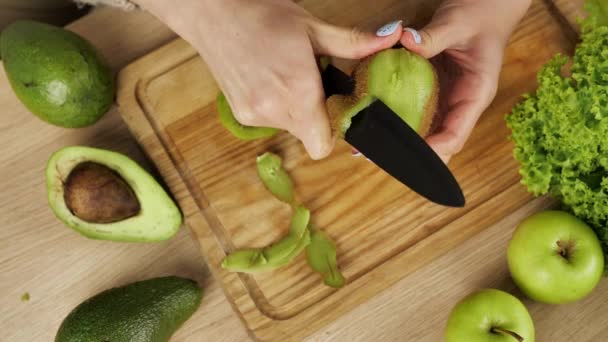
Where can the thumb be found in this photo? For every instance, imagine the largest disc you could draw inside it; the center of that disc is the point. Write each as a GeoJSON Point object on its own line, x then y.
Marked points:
{"type": "Point", "coordinates": [311, 126]}
{"type": "Point", "coordinates": [351, 43]}
{"type": "Point", "coordinates": [428, 42]}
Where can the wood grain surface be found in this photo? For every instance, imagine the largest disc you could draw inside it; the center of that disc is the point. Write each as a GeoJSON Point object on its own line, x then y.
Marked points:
{"type": "Point", "coordinates": [59, 268]}
{"type": "Point", "coordinates": [383, 231]}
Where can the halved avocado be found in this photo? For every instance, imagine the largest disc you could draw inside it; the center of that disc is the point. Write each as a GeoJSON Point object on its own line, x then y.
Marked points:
{"type": "Point", "coordinates": [106, 195]}
{"type": "Point", "coordinates": [404, 81]}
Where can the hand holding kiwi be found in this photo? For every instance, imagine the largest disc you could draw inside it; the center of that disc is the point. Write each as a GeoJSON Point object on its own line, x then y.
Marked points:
{"type": "Point", "coordinates": [465, 40]}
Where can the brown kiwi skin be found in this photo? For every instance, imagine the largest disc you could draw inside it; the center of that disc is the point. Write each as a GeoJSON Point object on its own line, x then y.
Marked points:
{"type": "Point", "coordinates": [430, 110]}
{"type": "Point", "coordinates": [337, 105]}
{"type": "Point", "coordinates": [360, 75]}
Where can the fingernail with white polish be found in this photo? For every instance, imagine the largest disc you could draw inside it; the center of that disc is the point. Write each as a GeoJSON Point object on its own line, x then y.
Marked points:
{"type": "Point", "coordinates": [356, 154]}
{"type": "Point", "coordinates": [389, 28]}
{"type": "Point", "coordinates": [415, 35]}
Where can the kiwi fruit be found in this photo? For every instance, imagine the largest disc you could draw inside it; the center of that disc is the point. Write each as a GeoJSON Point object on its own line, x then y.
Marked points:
{"type": "Point", "coordinates": [404, 81]}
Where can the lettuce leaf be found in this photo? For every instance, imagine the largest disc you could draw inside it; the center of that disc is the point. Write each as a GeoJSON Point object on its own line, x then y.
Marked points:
{"type": "Point", "coordinates": [561, 131]}
{"type": "Point", "coordinates": [598, 13]}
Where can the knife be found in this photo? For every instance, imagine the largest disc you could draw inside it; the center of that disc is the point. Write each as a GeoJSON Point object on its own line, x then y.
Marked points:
{"type": "Point", "coordinates": [390, 143]}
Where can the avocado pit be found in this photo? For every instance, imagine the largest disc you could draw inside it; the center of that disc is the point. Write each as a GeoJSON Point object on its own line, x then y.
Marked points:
{"type": "Point", "coordinates": [97, 194]}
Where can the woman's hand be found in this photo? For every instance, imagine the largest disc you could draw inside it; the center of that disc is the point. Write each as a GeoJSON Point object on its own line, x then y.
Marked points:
{"type": "Point", "coordinates": [262, 54]}
{"type": "Point", "coordinates": [471, 35]}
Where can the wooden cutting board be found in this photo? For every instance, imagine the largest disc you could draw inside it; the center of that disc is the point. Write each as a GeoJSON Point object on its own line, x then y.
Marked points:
{"type": "Point", "coordinates": [382, 230]}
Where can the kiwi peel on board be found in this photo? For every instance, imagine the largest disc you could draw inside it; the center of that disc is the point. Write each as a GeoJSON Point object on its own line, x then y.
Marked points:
{"type": "Point", "coordinates": [240, 131]}
{"type": "Point", "coordinates": [276, 255]}
{"type": "Point", "coordinates": [320, 249]}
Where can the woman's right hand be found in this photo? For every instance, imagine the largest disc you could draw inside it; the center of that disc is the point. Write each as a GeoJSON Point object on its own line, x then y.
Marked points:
{"type": "Point", "coordinates": [263, 56]}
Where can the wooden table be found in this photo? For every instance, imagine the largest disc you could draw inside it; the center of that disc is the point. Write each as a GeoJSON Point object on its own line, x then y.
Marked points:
{"type": "Point", "coordinates": [59, 268]}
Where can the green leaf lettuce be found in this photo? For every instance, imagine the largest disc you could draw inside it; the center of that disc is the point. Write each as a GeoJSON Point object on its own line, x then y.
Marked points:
{"type": "Point", "coordinates": [561, 131]}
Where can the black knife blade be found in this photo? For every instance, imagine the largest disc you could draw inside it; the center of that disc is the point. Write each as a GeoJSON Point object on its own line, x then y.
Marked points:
{"type": "Point", "coordinates": [390, 143]}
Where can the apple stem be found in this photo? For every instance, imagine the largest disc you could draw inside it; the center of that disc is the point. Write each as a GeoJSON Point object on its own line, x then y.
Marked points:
{"type": "Point", "coordinates": [508, 332]}
{"type": "Point", "coordinates": [565, 249]}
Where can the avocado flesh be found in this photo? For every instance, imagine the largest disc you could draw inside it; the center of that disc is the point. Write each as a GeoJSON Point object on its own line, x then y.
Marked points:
{"type": "Point", "coordinates": [158, 217]}
{"type": "Point", "coordinates": [146, 311]}
{"type": "Point", "coordinates": [404, 81]}
{"type": "Point", "coordinates": [56, 74]}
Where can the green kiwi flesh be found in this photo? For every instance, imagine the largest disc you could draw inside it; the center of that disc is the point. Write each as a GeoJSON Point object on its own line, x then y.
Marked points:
{"type": "Point", "coordinates": [406, 82]}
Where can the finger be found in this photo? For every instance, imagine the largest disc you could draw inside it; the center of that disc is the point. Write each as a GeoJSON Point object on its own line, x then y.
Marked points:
{"type": "Point", "coordinates": [314, 131]}
{"type": "Point", "coordinates": [309, 119]}
{"type": "Point", "coordinates": [456, 128]}
{"type": "Point", "coordinates": [353, 43]}
{"type": "Point", "coordinates": [428, 42]}
{"type": "Point", "coordinates": [462, 117]}
{"type": "Point", "coordinates": [445, 158]}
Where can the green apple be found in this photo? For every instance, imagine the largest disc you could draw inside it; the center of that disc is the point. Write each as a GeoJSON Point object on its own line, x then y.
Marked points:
{"type": "Point", "coordinates": [555, 258]}
{"type": "Point", "coordinates": [489, 316]}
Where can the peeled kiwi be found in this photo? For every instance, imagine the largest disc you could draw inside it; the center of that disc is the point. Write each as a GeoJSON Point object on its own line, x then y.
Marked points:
{"type": "Point", "coordinates": [406, 82]}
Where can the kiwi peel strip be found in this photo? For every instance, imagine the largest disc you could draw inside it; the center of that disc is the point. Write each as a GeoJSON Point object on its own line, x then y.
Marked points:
{"type": "Point", "coordinates": [320, 249]}
{"type": "Point", "coordinates": [275, 255]}
{"type": "Point", "coordinates": [227, 119]}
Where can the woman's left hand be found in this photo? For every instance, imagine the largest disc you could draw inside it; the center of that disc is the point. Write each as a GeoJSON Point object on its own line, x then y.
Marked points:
{"type": "Point", "coordinates": [471, 36]}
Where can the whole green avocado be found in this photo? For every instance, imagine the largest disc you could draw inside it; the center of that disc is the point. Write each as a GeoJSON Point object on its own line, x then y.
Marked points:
{"type": "Point", "coordinates": [146, 311]}
{"type": "Point", "coordinates": [58, 75]}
